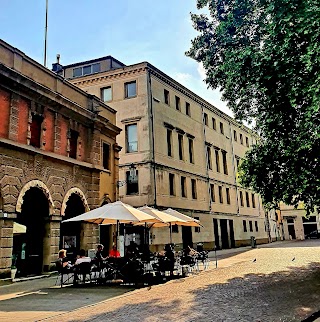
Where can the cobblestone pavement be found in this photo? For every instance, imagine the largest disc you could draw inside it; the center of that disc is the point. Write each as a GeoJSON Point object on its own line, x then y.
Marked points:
{"type": "Point", "coordinates": [276, 282]}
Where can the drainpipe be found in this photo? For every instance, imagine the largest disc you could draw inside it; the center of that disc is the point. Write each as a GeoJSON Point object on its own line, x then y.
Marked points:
{"type": "Point", "coordinates": [207, 157]}
{"type": "Point", "coordinates": [234, 169]}
{"type": "Point", "coordinates": [153, 164]}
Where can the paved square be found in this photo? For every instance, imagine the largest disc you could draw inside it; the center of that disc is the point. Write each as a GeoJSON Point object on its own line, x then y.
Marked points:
{"type": "Point", "coordinates": [275, 282]}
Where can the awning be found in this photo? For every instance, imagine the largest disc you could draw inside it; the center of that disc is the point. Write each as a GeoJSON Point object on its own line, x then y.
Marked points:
{"type": "Point", "coordinates": [19, 229]}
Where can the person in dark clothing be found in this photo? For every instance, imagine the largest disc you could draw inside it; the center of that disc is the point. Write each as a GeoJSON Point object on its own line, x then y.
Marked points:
{"type": "Point", "coordinates": [99, 256]}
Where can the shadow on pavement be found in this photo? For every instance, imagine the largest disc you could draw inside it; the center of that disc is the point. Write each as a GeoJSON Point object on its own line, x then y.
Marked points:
{"type": "Point", "coordinates": [284, 296]}
{"type": "Point", "coordinates": [60, 299]}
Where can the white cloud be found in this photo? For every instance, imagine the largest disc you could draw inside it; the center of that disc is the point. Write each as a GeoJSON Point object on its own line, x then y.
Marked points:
{"type": "Point", "coordinates": [201, 71]}
{"type": "Point", "coordinates": [183, 78]}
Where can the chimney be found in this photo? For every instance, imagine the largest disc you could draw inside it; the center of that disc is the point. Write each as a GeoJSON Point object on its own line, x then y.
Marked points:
{"type": "Point", "coordinates": [57, 67]}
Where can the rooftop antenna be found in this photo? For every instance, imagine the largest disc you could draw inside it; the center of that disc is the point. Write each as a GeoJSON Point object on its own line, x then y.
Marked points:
{"type": "Point", "coordinates": [45, 36]}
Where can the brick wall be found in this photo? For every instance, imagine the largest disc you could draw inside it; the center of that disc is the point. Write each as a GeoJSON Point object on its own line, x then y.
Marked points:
{"type": "Point", "coordinates": [4, 113]}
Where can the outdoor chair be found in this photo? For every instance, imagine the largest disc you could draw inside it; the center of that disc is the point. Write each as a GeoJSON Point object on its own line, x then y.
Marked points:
{"type": "Point", "coordinates": [83, 270]}
{"type": "Point", "coordinates": [65, 274]}
{"type": "Point", "coordinates": [203, 257]}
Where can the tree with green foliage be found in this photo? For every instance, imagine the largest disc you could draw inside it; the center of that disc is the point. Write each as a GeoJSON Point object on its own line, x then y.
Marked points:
{"type": "Point", "coordinates": [264, 55]}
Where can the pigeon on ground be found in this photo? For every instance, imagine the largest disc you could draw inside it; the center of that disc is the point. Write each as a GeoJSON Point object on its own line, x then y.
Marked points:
{"type": "Point", "coordinates": [293, 259]}
{"type": "Point", "coordinates": [254, 260]}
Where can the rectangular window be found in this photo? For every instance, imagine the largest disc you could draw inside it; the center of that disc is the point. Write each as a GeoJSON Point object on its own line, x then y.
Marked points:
{"type": "Point", "coordinates": [96, 68]}
{"type": "Point", "coordinates": [256, 225]}
{"type": "Point", "coordinates": [250, 225]}
{"type": "Point", "coordinates": [217, 160]}
{"type": "Point", "coordinates": [247, 199]}
{"type": "Point", "coordinates": [194, 188]}
{"type": "Point", "coordinates": [106, 156]}
{"type": "Point", "coordinates": [244, 225]}
{"type": "Point", "coordinates": [221, 128]}
{"type": "Point", "coordinates": [220, 195]}
{"type": "Point", "coordinates": [171, 185]}
{"type": "Point", "coordinates": [188, 110]}
{"type": "Point", "coordinates": [73, 144]}
{"type": "Point", "coordinates": [228, 195]}
{"type": "Point", "coordinates": [197, 229]}
{"type": "Point", "coordinates": [180, 143]}
{"type": "Point", "coordinates": [169, 142]}
{"type": "Point", "coordinates": [247, 141]}
{"type": "Point", "coordinates": [253, 201]}
{"type": "Point", "coordinates": [131, 138]}
{"type": "Point", "coordinates": [241, 199]}
{"type": "Point", "coordinates": [238, 162]}
{"type": "Point", "coordinates": [166, 97]}
{"type": "Point", "coordinates": [35, 129]}
{"type": "Point", "coordinates": [177, 103]}
{"type": "Point", "coordinates": [191, 155]}
{"type": "Point", "coordinates": [175, 228]}
{"type": "Point", "coordinates": [205, 119]}
{"type": "Point", "coordinates": [86, 70]}
{"type": "Point", "coordinates": [106, 94]}
{"type": "Point", "coordinates": [235, 136]}
{"type": "Point", "coordinates": [213, 195]}
{"type": "Point", "coordinates": [183, 187]}
{"type": "Point", "coordinates": [224, 161]}
{"type": "Point", "coordinates": [77, 72]}
{"type": "Point", "coordinates": [209, 159]}
{"type": "Point", "coordinates": [241, 138]}
{"type": "Point", "coordinates": [130, 89]}
{"type": "Point", "coordinates": [132, 183]}
{"type": "Point", "coordinates": [214, 123]}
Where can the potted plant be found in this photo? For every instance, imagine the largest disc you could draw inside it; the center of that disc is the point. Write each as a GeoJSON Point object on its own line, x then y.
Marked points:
{"type": "Point", "coordinates": [13, 267]}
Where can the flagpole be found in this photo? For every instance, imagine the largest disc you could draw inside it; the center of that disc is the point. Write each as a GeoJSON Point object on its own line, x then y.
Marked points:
{"type": "Point", "coordinates": [45, 36]}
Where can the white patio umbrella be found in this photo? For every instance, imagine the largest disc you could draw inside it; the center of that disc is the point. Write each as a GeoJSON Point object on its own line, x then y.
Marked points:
{"type": "Point", "coordinates": [113, 213]}
{"type": "Point", "coordinates": [189, 221]}
{"type": "Point", "coordinates": [163, 218]}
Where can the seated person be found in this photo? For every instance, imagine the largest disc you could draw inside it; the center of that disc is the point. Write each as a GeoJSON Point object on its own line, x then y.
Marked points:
{"type": "Point", "coordinates": [132, 249]}
{"type": "Point", "coordinates": [63, 260]}
{"type": "Point", "coordinates": [114, 252]}
{"type": "Point", "coordinates": [99, 255]}
{"type": "Point", "coordinates": [82, 258]}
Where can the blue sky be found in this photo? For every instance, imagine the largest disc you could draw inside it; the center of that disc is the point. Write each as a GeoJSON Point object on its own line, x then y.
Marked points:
{"type": "Point", "coordinates": [130, 30]}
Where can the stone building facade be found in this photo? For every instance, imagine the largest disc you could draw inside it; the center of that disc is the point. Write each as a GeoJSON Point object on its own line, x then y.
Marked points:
{"type": "Point", "coordinates": [55, 151]}
{"type": "Point", "coordinates": [184, 151]}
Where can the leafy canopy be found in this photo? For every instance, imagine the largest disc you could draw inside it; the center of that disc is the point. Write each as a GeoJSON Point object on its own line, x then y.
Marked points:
{"type": "Point", "coordinates": [264, 55]}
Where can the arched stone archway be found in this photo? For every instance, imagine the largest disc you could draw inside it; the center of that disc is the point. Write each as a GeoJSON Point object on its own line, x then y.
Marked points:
{"type": "Point", "coordinates": [78, 192]}
{"type": "Point", "coordinates": [35, 184]}
{"type": "Point", "coordinates": [31, 248]}
{"type": "Point", "coordinates": [72, 234]}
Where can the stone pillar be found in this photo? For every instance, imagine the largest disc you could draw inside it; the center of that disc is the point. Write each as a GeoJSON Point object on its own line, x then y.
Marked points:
{"type": "Point", "coordinates": [89, 236]}
{"type": "Point", "coordinates": [51, 242]}
{"type": "Point", "coordinates": [14, 115]}
{"type": "Point", "coordinates": [95, 148]}
{"type": "Point", "coordinates": [6, 244]}
{"type": "Point", "coordinates": [220, 235]}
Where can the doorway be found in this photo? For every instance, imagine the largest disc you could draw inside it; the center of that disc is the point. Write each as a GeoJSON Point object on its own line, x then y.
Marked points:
{"type": "Point", "coordinates": [216, 233]}
{"type": "Point", "coordinates": [187, 237]}
{"type": "Point", "coordinates": [292, 231]}
{"type": "Point", "coordinates": [70, 232]}
{"type": "Point", "coordinates": [231, 229]}
{"type": "Point", "coordinates": [224, 233]}
{"type": "Point", "coordinates": [28, 247]}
